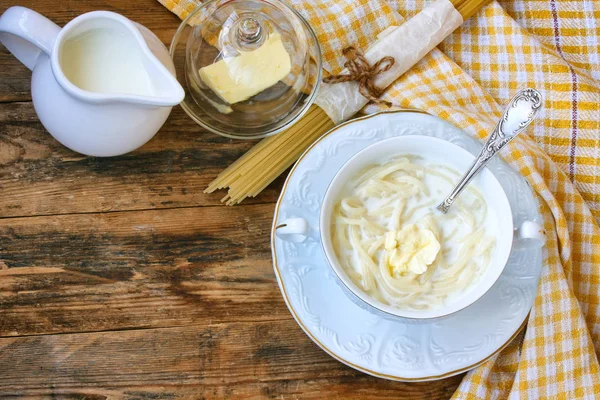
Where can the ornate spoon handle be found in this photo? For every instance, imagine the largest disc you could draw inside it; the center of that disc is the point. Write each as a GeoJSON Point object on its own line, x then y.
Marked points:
{"type": "Point", "coordinates": [519, 113]}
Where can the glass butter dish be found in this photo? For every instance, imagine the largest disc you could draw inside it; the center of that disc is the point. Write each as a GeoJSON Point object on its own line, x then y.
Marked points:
{"type": "Point", "coordinates": [249, 68]}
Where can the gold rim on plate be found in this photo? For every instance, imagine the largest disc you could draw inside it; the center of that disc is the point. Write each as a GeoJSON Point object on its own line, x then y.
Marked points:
{"type": "Point", "coordinates": [307, 331]}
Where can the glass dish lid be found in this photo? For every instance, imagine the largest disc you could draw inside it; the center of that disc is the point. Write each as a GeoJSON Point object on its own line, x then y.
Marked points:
{"type": "Point", "coordinates": [249, 68]}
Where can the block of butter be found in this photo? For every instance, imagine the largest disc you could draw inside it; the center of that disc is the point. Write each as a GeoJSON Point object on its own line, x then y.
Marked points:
{"type": "Point", "coordinates": [413, 249]}
{"type": "Point", "coordinates": [238, 78]}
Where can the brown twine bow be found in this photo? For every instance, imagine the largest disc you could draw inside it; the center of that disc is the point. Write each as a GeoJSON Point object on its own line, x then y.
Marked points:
{"type": "Point", "coordinates": [361, 71]}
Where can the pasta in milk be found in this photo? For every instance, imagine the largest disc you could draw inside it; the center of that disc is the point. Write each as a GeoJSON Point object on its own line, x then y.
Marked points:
{"type": "Point", "coordinates": [397, 247]}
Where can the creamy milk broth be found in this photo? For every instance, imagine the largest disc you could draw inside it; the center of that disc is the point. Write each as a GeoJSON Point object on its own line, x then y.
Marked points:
{"type": "Point", "coordinates": [450, 225]}
{"type": "Point", "coordinates": [106, 60]}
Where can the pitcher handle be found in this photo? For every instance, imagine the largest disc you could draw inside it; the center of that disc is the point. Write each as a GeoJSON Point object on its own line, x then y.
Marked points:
{"type": "Point", "coordinates": [25, 33]}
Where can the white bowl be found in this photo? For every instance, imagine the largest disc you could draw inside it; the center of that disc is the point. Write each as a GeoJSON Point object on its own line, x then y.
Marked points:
{"type": "Point", "coordinates": [499, 222]}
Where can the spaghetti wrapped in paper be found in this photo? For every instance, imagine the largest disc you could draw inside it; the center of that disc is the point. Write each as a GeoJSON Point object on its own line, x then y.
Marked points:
{"type": "Point", "coordinates": [406, 44]}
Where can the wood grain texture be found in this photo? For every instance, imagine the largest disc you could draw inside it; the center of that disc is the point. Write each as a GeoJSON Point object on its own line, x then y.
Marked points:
{"type": "Point", "coordinates": [176, 267]}
{"type": "Point", "coordinates": [234, 361]}
{"type": "Point", "coordinates": [120, 279]}
{"type": "Point", "coordinates": [39, 176]}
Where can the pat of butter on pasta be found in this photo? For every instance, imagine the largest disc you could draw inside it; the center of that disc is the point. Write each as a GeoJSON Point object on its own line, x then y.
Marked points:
{"type": "Point", "coordinates": [238, 78]}
{"type": "Point", "coordinates": [412, 248]}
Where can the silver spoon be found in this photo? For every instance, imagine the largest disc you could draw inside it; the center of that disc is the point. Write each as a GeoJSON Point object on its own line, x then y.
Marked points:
{"type": "Point", "coordinates": [520, 112]}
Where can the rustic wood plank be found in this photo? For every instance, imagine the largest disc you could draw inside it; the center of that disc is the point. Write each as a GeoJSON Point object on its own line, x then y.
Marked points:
{"type": "Point", "coordinates": [15, 78]}
{"type": "Point", "coordinates": [177, 267]}
{"type": "Point", "coordinates": [39, 176]}
{"type": "Point", "coordinates": [232, 361]}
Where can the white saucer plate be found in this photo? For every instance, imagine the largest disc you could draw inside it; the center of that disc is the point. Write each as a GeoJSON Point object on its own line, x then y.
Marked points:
{"type": "Point", "coordinates": [379, 346]}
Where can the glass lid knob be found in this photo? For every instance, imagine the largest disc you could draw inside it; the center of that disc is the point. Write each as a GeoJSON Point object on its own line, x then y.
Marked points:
{"type": "Point", "coordinates": [249, 30]}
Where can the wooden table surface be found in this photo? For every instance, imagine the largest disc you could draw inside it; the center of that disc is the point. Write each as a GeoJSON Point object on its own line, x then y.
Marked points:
{"type": "Point", "coordinates": [119, 278]}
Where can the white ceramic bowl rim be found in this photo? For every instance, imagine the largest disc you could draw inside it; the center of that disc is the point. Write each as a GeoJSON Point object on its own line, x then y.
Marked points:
{"type": "Point", "coordinates": [452, 155]}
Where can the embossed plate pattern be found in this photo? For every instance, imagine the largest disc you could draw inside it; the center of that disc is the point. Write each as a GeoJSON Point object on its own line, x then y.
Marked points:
{"type": "Point", "coordinates": [372, 344]}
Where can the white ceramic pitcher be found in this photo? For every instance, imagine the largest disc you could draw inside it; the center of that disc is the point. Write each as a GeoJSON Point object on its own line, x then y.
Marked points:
{"type": "Point", "coordinates": [112, 118]}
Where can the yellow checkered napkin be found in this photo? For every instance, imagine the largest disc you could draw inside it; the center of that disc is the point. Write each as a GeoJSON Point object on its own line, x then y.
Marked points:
{"type": "Point", "coordinates": [550, 45]}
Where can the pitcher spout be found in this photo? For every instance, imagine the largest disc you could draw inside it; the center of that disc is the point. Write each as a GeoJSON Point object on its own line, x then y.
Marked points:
{"type": "Point", "coordinates": [103, 57]}
{"type": "Point", "coordinates": [166, 89]}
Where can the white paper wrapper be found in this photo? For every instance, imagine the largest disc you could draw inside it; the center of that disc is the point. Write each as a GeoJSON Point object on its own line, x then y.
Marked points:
{"type": "Point", "coordinates": [407, 43]}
